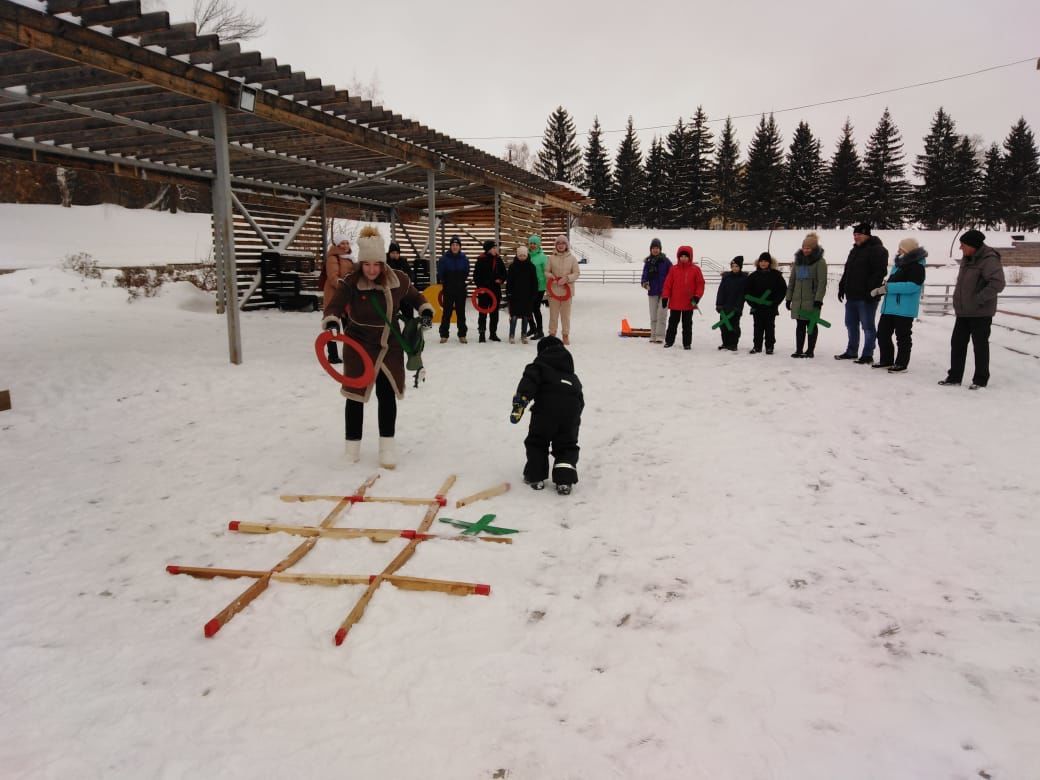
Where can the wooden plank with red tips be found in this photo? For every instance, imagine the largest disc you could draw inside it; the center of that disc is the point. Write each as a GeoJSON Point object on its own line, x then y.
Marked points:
{"type": "Point", "coordinates": [360, 498]}
{"type": "Point", "coordinates": [221, 618]}
{"type": "Point", "coordinates": [400, 560]}
{"type": "Point", "coordinates": [375, 534]}
{"type": "Point", "coordinates": [490, 492]}
{"type": "Point", "coordinates": [452, 587]}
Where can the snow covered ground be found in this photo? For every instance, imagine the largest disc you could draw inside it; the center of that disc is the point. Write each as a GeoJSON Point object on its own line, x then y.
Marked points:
{"type": "Point", "coordinates": [770, 568]}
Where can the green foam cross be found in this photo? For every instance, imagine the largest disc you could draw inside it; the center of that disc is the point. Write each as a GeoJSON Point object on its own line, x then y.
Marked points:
{"type": "Point", "coordinates": [724, 318]}
{"type": "Point", "coordinates": [814, 318]}
{"type": "Point", "coordinates": [482, 525]}
{"type": "Point", "coordinates": [761, 301]}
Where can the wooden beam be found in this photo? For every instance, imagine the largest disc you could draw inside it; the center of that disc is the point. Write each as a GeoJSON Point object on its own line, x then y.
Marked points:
{"type": "Point", "coordinates": [40, 31]}
{"type": "Point", "coordinates": [490, 492]}
{"type": "Point", "coordinates": [5, 400]}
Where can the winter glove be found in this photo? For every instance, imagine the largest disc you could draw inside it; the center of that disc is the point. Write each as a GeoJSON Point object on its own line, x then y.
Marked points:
{"type": "Point", "coordinates": [664, 303]}
{"type": "Point", "coordinates": [519, 404]}
{"type": "Point", "coordinates": [426, 320]}
{"type": "Point", "coordinates": [788, 305]}
{"type": "Point", "coordinates": [841, 296]}
{"type": "Point", "coordinates": [545, 302]}
{"type": "Point", "coordinates": [646, 285]}
{"type": "Point", "coordinates": [332, 323]}
{"type": "Point", "coordinates": [718, 310]}
{"type": "Point", "coordinates": [695, 301]}
{"type": "Point", "coordinates": [877, 292]}
{"type": "Point", "coordinates": [818, 304]}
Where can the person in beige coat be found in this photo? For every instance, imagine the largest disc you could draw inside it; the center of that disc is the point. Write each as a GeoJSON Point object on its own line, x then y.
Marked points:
{"type": "Point", "coordinates": [561, 272]}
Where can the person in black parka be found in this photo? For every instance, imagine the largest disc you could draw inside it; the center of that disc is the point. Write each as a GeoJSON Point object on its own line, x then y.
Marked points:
{"type": "Point", "coordinates": [398, 263]}
{"type": "Point", "coordinates": [550, 382]}
{"type": "Point", "coordinates": [489, 272]}
{"type": "Point", "coordinates": [453, 273]}
{"type": "Point", "coordinates": [521, 287]}
{"type": "Point", "coordinates": [767, 286]}
{"type": "Point", "coordinates": [730, 300]}
{"type": "Point", "coordinates": [865, 270]}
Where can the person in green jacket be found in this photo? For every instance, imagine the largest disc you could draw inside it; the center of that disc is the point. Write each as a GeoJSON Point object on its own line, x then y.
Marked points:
{"type": "Point", "coordinates": [538, 259]}
{"type": "Point", "coordinates": [805, 290]}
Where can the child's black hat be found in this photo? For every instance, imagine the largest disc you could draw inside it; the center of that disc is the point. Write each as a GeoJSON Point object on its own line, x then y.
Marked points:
{"type": "Point", "coordinates": [548, 341]}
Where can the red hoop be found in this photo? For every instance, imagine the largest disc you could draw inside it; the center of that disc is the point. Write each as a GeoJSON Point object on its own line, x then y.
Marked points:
{"type": "Point", "coordinates": [475, 298]}
{"type": "Point", "coordinates": [368, 368]}
{"type": "Point", "coordinates": [554, 296]}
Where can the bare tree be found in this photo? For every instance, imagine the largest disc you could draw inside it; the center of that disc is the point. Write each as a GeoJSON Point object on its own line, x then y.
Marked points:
{"type": "Point", "coordinates": [520, 155]}
{"type": "Point", "coordinates": [372, 90]}
{"type": "Point", "coordinates": [223, 18]}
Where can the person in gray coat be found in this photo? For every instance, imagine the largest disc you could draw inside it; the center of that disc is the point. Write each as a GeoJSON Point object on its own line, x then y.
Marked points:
{"type": "Point", "coordinates": [979, 281]}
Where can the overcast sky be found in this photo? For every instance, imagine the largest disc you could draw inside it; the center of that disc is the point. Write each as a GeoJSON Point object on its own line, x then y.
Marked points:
{"type": "Point", "coordinates": [477, 69]}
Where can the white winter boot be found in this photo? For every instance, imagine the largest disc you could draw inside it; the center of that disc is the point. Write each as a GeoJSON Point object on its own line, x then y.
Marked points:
{"type": "Point", "coordinates": [387, 452]}
{"type": "Point", "coordinates": [353, 451]}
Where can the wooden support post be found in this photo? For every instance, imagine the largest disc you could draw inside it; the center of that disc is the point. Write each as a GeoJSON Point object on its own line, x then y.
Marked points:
{"type": "Point", "coordinates": [224, 224]}
{"type": "Point", "coordinates": [431, 216]}
{"type": "Point", "coordinates": [498, 221]}
{"type": "Point", "coordinates": [490, 492]}
{"type": "Point", "coordinates": [324, 232]}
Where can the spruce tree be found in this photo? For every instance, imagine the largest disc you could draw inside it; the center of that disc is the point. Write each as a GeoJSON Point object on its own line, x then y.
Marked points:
{"type": "Point", "coordinates": [679, 166]}
{"type": "Point", "coordinates": [965, 201]}
{"type": "Point", "coordinates": [803, 193]}
{"type": "Point", "coordinates": [844, 182]}
{"type": "Point", "coordinates": [560, 157]}
{"type": "Point", "coordinates": [627, 189]}
{"type": "Point", "coordinates": [763, 177]}
{"type": "Point", "coordinates": [937, 168]}
{"type": "Point", "coordinates": [1022, 178]}
{"type": "Point", "coordinates": [727, 174]}
{"type": "Point", "coordinates": [658, 186]}
{"type": "Point", "coordinates": [701, 172]}
{"type": "Point", "coordinates": [596, 178]}
{"type": "Point", "coordinates": [886, 191]}
{"type": "Point", "coordinates": [993, 209]}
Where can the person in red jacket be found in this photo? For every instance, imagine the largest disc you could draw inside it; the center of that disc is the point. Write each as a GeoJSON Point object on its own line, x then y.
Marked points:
{"type": "Point", "coordinates": [683, 288]}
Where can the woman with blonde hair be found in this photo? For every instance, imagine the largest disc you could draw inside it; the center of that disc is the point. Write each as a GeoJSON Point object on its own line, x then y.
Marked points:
{"type": "Point", "coordinates": [372, 298]}
{"type": "Point", "coordinates": [902, 294]}
{"type": "Point", "coordinates": [806, 287]}
{"type": "Point", "coordinates": [561, 272]}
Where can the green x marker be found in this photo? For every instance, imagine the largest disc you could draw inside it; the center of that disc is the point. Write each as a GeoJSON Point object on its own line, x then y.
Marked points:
{"type": "Point", "coordinates": [724, 318]}
{"type": "Point", "coordinates": [482, 525]}
{"type": "Point", "coordinates": [814, 318]}
{"type": "Point", "coordinates": [762, 301]}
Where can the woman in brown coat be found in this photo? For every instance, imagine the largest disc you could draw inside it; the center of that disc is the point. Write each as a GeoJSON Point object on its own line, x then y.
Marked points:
{"type": "Point", "coordinates": [561, 272]}
{"type": "Point", "coordinates": [371, 299]}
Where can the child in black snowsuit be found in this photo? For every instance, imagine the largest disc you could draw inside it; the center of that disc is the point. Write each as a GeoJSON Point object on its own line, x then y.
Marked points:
{"type": "Point", "coordinates": [550, 382]}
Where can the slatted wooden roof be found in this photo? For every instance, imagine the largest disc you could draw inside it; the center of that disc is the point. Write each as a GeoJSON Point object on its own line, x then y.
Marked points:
{"type": "Point", "coordinates": [100, 80]}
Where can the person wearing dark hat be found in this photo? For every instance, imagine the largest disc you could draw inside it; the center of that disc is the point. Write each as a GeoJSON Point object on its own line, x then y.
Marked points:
{"type": "Point", "coordinates": [452, 273]}
{"type": "Point", "coordinates": [398, 263]}
{"type": "Point", "coordinates": [489, 272]}
{"type": "Point", "coordinates": [550, 382]}
{"type": "Point", "coordinates": [729, 301]}
{"type": "Point", "coordinates": [979, 281]}
{"type": "Point", "coordinates": [764, 291]}
{"type": "Point", "coordinates": [655, 270]}
{"type": "Point", "coordinates": [865, 270]}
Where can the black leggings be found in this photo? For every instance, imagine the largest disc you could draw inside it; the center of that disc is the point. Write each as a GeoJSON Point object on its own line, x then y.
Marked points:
{"type": "Point", "coordinates": [354, 413]}
{"type": "Point", "coordinates": [799, 336]}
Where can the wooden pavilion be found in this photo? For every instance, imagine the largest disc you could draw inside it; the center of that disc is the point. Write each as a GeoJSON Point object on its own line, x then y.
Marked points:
{"type": "Point", "coordinates": [98, 97]}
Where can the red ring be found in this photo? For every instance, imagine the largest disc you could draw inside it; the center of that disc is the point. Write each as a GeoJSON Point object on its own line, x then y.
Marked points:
{"type": "Point", "coordinates": [368, 369]}
{"type": "Point", "coordinates": [476, 300]}
{"type": "Point", "coordinates": [554, 296]}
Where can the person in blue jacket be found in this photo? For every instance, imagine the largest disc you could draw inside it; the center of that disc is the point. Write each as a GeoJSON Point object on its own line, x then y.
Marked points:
{"type": "Point", "coordinates": [729, 300]}
{"type": "Point", "coordinates": [655, 268]}
{"type": "Point", "coordinates": [453, 273]}
{"type": "Point", "coordinates": [902, 294]}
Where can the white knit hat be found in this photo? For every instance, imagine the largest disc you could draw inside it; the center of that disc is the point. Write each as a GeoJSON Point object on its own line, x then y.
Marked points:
{"type": "Point", "coordinates": [371, 248]}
